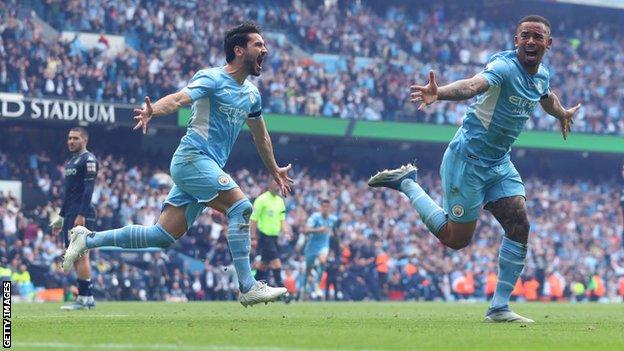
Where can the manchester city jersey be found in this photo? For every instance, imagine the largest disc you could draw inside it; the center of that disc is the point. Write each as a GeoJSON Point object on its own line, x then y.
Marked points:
{"type": "Point", "coordinates": [317, 220]}
{"type": "Point", "coordinates": [220, 107]}
{"type": "Point", "coordinates": [492, 124]}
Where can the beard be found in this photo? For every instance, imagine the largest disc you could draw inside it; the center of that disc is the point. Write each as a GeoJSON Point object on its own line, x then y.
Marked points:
{"type": "Point", "coordinates": [252, 66]}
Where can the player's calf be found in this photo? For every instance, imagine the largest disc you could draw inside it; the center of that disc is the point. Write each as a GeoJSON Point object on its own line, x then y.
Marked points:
{"type": "Point", "coordinates": [239, 241]}
{"type": "Point", "coordinates": [131, 237]}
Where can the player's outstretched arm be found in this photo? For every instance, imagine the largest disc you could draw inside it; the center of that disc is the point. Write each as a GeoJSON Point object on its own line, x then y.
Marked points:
{"type": "Point", "coordinates": [262, 139]}
{"type": "Point", "coordinates": [459, 90]}
{"type": "Point", "coordinates": [553, 107]}
{"type": "Point", "coordinates": [165, 106]}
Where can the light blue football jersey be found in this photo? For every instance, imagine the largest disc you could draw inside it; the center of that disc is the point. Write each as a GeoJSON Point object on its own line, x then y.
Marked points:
{"type": "Point", "coordinates": [220, 108]}
{"type": "Point", "coordinates": [492, 124]}
{"type": "Point", "coordinates": [317, 220]}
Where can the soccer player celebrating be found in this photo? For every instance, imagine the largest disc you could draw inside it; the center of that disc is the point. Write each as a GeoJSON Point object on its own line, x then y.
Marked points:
{"type": "Point", "coordinates": [77, 210]}
{"type": "Point", "coordinates": [267, 220]}
{"type": "Point", "coordinates": [319, 226]}
{"type": "Point", "coordinates": [476, 168]}
{"type": "Point", "coordinates": [222, 100]}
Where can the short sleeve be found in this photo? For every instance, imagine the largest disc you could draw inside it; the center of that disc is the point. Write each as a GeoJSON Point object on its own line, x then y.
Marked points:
{"type": "Point", "coordinates": [311, 222]}
{"type": "Point", "coordinates": [546, 89]}
{"type": "Point", "coordinates": [91, 168]}
{"type": "Point", "coordinates": [201, 85]}
{"type": "Point", "coordinates": [257, 209]}
{"type": "Point", "coordinates": [496, 72]}
{"type": "Point", "coordinates": [256, 105]}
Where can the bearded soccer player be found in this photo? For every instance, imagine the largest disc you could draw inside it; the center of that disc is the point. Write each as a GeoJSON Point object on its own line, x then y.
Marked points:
{"type": "Point", "coordinates": [222, 100]}
{"type": "Point", "coordinates": [476, 168]}
{"type": "Point", "coordinates": [80, 173]}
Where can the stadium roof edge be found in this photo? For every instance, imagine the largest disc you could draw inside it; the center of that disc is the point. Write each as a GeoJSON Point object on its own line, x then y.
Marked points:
{"type": "Point", "coordinates": [614, 4]}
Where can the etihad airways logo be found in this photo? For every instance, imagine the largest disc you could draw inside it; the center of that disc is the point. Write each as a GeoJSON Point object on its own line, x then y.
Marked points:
{"type": "Point", "coordinates": [522, 106]}
{"type": "Point", "coordinates": [234, 115]}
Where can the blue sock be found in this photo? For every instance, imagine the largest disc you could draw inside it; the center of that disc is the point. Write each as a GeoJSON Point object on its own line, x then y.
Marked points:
{"type": "Point", "coordinates": [321, 270]}
{"type": "Point", "coordinates": [510, 264]}
{"type": "Point", "coordinates": [239, 241]}
{"type": "Point", "coordinates": [431, 214]}
{"type": "Point", "coordinates": [132, 237]}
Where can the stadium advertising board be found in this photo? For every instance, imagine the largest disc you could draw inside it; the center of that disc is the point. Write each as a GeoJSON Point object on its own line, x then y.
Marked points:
{"type": "Point", "coordinates": [419, 132]}
{"type": "Point", "coordinates": [18, 107]}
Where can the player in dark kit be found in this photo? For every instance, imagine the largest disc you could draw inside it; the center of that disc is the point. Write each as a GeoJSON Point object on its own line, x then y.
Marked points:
{"type": "Point", "coordinates": [80, 173]}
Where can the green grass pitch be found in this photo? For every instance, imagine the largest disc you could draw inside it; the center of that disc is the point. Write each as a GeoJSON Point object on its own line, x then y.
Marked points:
{"type": "Point", "coordinates": [314, 326]}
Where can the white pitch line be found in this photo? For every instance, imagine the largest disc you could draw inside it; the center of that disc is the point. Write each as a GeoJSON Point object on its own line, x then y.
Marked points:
{"type": "Point", "coordinates": [90, 316]}
{"type": "Point", "coordinates": [159, 347]}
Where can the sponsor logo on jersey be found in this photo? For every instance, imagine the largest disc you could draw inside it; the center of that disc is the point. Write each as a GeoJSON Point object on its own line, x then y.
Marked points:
{"type": "Point", "coordinates": [522, 106]}
{"type": "Point", "coordinates": [234, 115]}
{"type": "Point", "coordinates": [91, 167]}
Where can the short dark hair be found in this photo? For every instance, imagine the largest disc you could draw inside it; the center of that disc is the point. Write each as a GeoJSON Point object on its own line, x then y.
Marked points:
{"type": "Point", "coordinates": [238, 36]}
{"type": "Point", "coordinates": [325, 201]}
{"type": "Point", "coordinates": [534, 18]}
{"type": "Point", "coordinates": [81, 130]}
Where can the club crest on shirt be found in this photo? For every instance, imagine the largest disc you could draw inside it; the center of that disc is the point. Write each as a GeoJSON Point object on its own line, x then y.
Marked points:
{"type": "Point", "coordinates": [223, 179]}
{"type": "Point", "coordinates": [457, 210]}
{"type": "Point", "coordinates": [252, 98]}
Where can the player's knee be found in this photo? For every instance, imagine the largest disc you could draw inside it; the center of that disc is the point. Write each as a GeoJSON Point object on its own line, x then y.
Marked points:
{"type": "Point", "coordinates": [82, 260]}
{"type": "Point", "coordinates": [161, 237]}
{"type": "Point", "coordinates": [520, 231]}
{"type": "Point", "coordinates": [458, 238]}
{"type": "Point", "coordinates": [240, 212]}
{"type": "Point", "coordinates": [458, 243]}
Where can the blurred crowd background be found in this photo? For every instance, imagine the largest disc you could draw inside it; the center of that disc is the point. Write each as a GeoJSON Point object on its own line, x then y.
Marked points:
{"type": "Point", "coordinates": [380, 248]}
{"type": "Point", "coordinates": [339, 59]}
{"type": "Point", "coordinates": [330, 59]}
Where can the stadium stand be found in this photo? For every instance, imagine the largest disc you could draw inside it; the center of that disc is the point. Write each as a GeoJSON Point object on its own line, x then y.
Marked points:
{"type": "Point", "coordinates": [383, 250]}
{"type": "Point", "coordinates": [576, 246]}
{"type": "Point", "coordinates": [312, 70]}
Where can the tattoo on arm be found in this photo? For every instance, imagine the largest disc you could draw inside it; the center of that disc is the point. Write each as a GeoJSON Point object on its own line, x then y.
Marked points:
{"type": "Point", "coordinates": [170, 104]}
{"type": "Point", "coordinates": [463, 89]}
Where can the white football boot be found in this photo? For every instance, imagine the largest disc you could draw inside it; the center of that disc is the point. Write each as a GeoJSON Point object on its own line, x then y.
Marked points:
{"type": "Point", "coordinates": [81, 303]}
{"type": "Point", "coordinates": [261, 292]}
{"type": "Point", "coordinates": [506, 316]}
{"type": "Point", "coordinates": [392, 178]}
{"type": "Point", "coordinates": [77, 246]}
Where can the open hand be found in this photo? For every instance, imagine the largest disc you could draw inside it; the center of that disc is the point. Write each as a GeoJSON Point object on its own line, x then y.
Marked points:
{"type": "Point", "coordinates": [427, 94]}
{"type": "Point", "coordinates": [567, 121]}
{"type": "Point", "coordinates": [143, 115]}
{"type": "Point", "coordinates": [283, 180]}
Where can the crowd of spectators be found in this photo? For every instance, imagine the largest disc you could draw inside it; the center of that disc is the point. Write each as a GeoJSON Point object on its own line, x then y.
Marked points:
{"type": "Point", "coordinates": [381, 249]}
{"type": "Point", "coordinates": [357, 59]}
